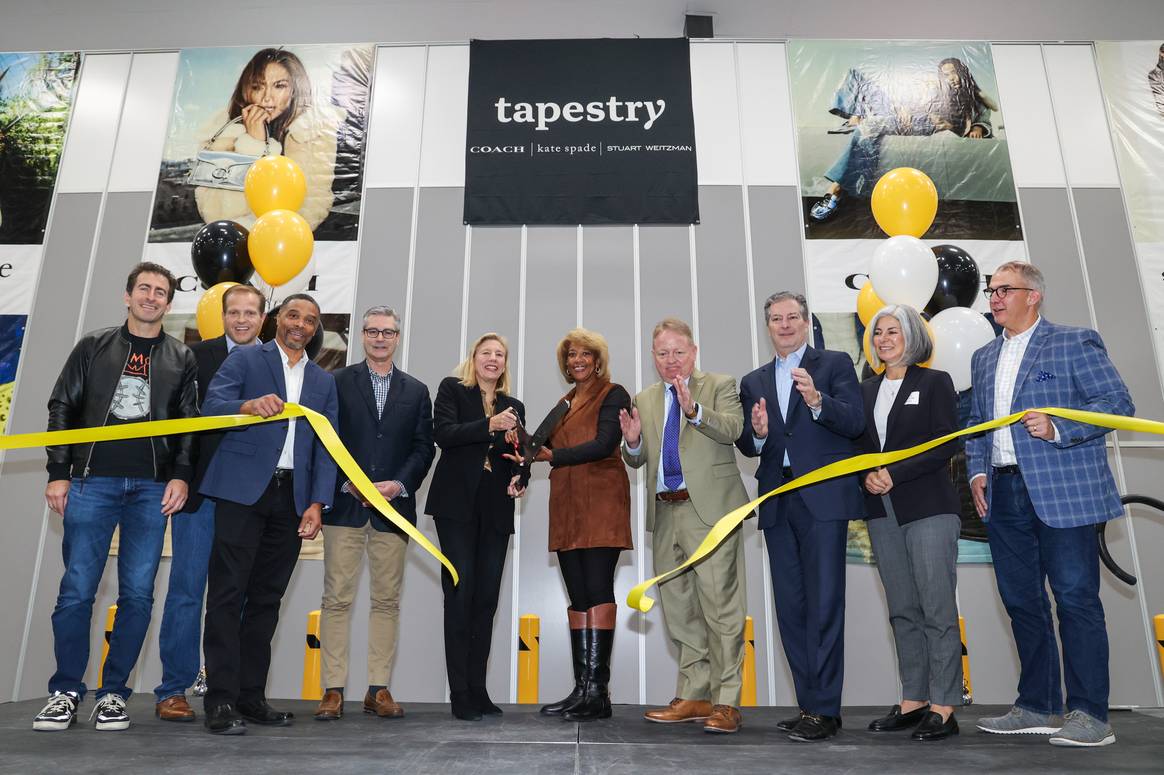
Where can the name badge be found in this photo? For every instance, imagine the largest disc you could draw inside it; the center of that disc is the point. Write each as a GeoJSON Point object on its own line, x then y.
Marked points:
{"type": "Point", "coordinates": [914, 398]}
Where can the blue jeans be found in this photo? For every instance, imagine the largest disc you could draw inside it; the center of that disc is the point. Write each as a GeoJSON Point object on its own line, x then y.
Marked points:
{"type": "Point", "coordinates": [1027, 554]}
{"type": "Point", "coordinates": [96, 505]}
{"type": "Point", "coordinates": [191, 536]}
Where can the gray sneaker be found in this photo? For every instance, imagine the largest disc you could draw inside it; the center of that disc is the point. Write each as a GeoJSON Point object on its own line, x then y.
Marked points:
{"type": "Point", "coordinates": [1020, 721]}
{"type": "Point", "coordinates": [1083, 731]}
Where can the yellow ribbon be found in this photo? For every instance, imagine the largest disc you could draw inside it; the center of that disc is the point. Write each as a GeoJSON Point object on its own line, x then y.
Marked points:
{"type": "Point", "coordinates": [320, 424]}
{"type": "Point", "coordinates": [729, 522]}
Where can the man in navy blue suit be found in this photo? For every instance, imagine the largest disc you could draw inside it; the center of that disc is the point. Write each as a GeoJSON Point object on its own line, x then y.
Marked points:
{"type": "Point", "coordinates": [806, 412]}
{"type": "Point", "coordinates": [386, 423]}
{"type": "Point", "coordinates": [271, 482]}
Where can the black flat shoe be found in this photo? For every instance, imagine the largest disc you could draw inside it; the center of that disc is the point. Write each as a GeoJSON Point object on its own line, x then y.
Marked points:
{"type": "Point", "coordinates": [264, 714]}
{"type": "Point", "coordinates": [895, 720]}
{"type": "Point", "coordinates": [224, 720]}
{"type": "Point", "coordinates": [789, 724]}
{"type": "Point", "coordinates": [813, 728]}
{"type": "Point", "coordinates": [933, 728]}
{"type": "Point", "coordinates": [463, 707]}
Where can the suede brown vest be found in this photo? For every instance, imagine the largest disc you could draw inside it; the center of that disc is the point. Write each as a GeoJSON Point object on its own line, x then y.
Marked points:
{"type": "Point", "coordinates": [589, 502]}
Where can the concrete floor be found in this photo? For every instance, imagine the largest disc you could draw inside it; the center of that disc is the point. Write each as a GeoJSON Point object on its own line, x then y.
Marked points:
{"type": "Point", "coordinates": [429, 740]}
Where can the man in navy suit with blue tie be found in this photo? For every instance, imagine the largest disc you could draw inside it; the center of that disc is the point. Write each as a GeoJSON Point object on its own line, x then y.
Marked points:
{"type": "Point", "coordinates": [271, 482]}
{"type": "Point", "coordinates": [806, 412]}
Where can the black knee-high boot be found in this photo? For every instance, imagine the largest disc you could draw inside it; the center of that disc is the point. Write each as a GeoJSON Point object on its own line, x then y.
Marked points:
{"type": "Point", "coordinates": [595, 702]}
{"type": "Point", "coordinates": [579, 640]}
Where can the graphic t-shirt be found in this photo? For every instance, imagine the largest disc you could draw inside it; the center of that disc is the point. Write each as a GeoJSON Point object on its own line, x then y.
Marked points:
{"type": "Point", "coordinates": [131, 403]}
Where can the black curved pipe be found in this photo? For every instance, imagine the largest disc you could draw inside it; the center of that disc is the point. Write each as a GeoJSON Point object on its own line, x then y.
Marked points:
{"type": "Point", "coordinates": [1101, 532]}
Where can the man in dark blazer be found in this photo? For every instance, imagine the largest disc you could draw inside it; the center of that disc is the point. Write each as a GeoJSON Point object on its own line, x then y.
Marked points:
{"type": "Point", "coordinates": [192, 530]}
{"type": "Point", "coordinates": [386, 423]}
{"type": "Point", "coordinates": [271, 482]}
{"type": "Point", "coordinates": [806, 412]}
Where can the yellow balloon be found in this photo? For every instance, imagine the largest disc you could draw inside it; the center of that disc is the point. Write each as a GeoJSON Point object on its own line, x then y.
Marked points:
{"type": "Point", "coordinates": [867, 345]}
{"type": "Point", "coordinates": [905, 201]}
{"type": "Point", "coordinates": [280, 245]}
{"type": "Point", "coordinates": [868, 302]}
{"type": "Point", "coordinates": [209, 311]}
{"type": "Point", "coordinates": [275, 183]}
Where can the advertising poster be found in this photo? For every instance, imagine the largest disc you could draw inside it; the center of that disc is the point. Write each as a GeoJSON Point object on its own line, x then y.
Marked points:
{"type": "Point", "coordinates": [36, 92]}
{"type": "Point", "coordinates": [863, 108]}
{"type": "Point", "coordinates": [234, 105]}
{"type": "Point", "coordinates": [1132, 76]}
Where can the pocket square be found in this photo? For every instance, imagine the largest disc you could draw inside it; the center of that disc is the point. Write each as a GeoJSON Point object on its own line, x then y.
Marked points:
{"type": "Point", "coordinates": [914, 398]}
{"type": "Point", "coordinates": [1043, 376]}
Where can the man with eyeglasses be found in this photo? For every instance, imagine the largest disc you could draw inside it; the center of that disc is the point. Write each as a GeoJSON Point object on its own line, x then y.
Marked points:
{"type": "Point", "coordinates": [805, 411]}
{"type": "Point", "coordinates": [1041, 485]}
{"type": "Point", "coordinates": [682, 429]}
{"type": "Point", "coordinates": [385, 420]}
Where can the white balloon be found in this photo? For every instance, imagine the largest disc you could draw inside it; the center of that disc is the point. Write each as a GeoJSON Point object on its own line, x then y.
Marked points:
{"type": "Point", "coordinates": [297, 284]}
{"type": "Point", "coordinates": [958, 332]}
{"type": "Point", "coordinates": [904, 271]}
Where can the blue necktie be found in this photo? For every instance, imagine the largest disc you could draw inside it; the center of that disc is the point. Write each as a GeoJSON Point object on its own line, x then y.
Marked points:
{"type": "Point", "coordinates": [672, 470]}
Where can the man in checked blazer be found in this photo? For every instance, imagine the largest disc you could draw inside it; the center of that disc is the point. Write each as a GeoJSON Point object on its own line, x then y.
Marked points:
{"type": "Point", "coordinates": [682, 430]}
{"type": "Point", "coordinates": [1041, 486]}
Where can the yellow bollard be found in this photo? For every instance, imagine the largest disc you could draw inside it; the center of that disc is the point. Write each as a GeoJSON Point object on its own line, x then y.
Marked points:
{"type": "Point", "coordinates": [748, 690]}
{"type": "Point", "coordinates": [312, 690]}
{"type": "Point", "coordinates": [109, 619]}
{"type": "Point", "coordinates": [1159, 620]}
{"type": "Point", "coordinates": [967, 691]}
{"type": "Point", "coordinates": [528, 655]}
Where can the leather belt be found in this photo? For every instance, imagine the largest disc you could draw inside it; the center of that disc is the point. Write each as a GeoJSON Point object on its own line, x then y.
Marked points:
{"type": "Point", "coordinates": [283, 474]}
{"type": "Point", "coordinates": [678, 496]}
{"type": "Point", "coordinates": [1007, 471]}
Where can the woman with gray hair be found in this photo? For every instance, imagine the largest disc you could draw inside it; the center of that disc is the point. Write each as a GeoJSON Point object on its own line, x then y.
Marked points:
{"type": "Point", "coordinates": [913, 522]}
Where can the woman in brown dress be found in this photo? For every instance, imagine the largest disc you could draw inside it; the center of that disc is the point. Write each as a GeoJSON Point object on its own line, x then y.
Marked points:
{"type": "Point", "coordinates": [589, 516]}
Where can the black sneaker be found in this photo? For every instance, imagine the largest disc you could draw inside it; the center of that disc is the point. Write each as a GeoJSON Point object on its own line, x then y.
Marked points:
{"type": "Point", "coordinates": [59, 712]}
{"type": "Point", "coordinates": [110, 713]}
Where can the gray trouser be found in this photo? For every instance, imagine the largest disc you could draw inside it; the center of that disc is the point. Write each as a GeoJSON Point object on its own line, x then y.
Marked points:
{"type": "Point", "coordinates": [918, 567]}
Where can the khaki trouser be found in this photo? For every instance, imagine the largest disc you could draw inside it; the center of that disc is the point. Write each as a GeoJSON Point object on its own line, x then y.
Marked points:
{"type": "Point", "coordinates": [704, 607]}
{"type": "Point", "coordinates": [343, 558]}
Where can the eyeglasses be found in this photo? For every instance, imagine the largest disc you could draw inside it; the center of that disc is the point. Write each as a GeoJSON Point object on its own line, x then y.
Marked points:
{"type": "Point", "coordinates": [1002, 291]}
{"type": "Point", "coordinates": [381, 333]}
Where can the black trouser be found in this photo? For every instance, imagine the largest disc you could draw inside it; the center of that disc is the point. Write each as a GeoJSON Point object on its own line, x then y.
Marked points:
{"type": "Point", "coordinates": [478, 552]}
{"type": "Point", "coordinates": [254, 555]}
{"type": "Point", "coordinates": [589, 575]}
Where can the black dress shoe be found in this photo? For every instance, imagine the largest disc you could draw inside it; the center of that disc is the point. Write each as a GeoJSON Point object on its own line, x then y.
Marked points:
{"type": "Point", "coordinates": [896, 720]}
{"type": "Point", "coordinates": [789, 724]}
{"type": "Point", "coordinates": [262, 713]}
{"type": "Point", "coordinates": [224, 720]}
{"type": "Point", "coordinates": [812, 728]}
{"type": "Point", "coordinates": [933, 728]}
{"type": "Point", "coordinates": [479, 696]}
{"type": "Point", "coordinates": [463, 707]}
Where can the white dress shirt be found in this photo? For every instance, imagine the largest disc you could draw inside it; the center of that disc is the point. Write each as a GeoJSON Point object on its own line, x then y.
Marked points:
{"type": "Point", "coordinates": [886, 395]}
{"type": "Point", "coordinates": [782, 375]}
{"type": "Point", "coordinates": [293, 376]}
{"type": "Point", "coordinates": [1010, 358]}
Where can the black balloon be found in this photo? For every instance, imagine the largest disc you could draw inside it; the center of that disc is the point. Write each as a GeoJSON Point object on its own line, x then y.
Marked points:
{"type": "Point", "coordinates": [219, 254]}
{"type": "Point", "coordinates": [267, 333]}
{"type": "Point", "coordinates": [958, 279]}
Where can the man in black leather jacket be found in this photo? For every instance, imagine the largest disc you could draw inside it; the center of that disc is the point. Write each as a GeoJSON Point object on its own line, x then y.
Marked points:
{"type": "Point", "coordinates": [114, 376]}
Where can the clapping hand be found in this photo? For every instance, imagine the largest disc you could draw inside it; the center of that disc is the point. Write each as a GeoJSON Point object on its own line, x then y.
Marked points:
{"type": "Point", "coordinates": [631, 425]}
{"type": "Point", "coordinates": [807, 388]}
{"type": "Point", "coordinates": [760, 419]}
{"type": "Point", "coordinates": [686, 402]}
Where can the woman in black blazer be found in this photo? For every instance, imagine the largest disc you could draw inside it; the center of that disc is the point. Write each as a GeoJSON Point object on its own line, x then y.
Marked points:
{"type": "Point", "coordinates": [471, 500]}
{"type": "Point", "coordinates": [913, 522]}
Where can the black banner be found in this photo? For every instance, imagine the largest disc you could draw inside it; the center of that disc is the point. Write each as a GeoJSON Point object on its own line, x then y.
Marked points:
{"type": "Point", "coordinates": [580, 131]}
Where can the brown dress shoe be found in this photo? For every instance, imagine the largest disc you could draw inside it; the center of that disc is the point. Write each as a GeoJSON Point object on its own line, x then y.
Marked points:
{"type": "Point", "coordinates": [383, 705]}
{"type": "Point", "coordinates": [174, 709]}
{"type": "Point", "coordinates": [680, 710]}
{"type": "Point", "coordinates": [331, 707]}
{"type": "Point", "coordinates": [724, 719]}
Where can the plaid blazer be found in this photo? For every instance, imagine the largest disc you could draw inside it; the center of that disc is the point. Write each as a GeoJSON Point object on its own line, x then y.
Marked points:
{"type": "Point", "coordinates": [1069, 481]}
